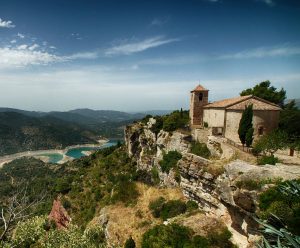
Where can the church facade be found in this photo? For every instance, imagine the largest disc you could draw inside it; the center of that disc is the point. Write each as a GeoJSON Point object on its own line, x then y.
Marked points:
{"type": "Point", "coordinates": [222, 118]}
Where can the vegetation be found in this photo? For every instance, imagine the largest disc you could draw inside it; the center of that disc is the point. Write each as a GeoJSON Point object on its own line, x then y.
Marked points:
{"type": "Point", "coordinates": [245, 127]}
{"type": "Point", "coordinates": [286, 206]}
{"type": "Point", "coordinates": [129, 243]}
{"type": "Point", "coordinates": [163, 209]}
{"type": "Point", "coordinates": [177, 236]}
{"type": "Point", "coordinates": [176, 120]}
{"type": "Point", "coordinates": [265, 91]}
{"type": "Point", "coordinates": [22, 133]}
{"type": "Point", "coordinates": [267, 160]}
{"type": "Point", "coordinates": [276, 234]}
{"type": "Point", "coordinates": [200, 149]}
{"type": "Point", "coordinates": [169, 161]}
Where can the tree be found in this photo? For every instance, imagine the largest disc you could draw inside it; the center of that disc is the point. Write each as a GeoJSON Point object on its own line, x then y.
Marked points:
{"type": "Point", "coordinates": [129, 243]}
{"type": "Point", "coordinates": [270, 143]}
{"type": "Point", "coordinates": [290, 123]}
{"type": "Point", "coordinates": [17, 209]}
{"type": "Point", "coordinates": [245, 126]}
{"type": "Point", "coordinates": [265, 91]}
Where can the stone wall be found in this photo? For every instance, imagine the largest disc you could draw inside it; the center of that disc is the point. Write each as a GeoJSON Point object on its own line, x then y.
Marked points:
{"type": "Point", "coordinates": [266, 119]}
{"type": "Point", "coordinates": [214, 117]}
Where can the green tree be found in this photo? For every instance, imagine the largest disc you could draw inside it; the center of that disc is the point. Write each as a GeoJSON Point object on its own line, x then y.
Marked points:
{"type": "Point", "coordinates": [270, 143]}
{"type": "Point", "coordinates": [129, 243]}
{"type": "Point", "coordinates": [245, 126]}
{"type": "Point", "coordinates": [265, 91]}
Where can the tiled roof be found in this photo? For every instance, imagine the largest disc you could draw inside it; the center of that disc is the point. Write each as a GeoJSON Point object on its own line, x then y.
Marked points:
{"type": "Point", "coordinates": [239, 103]}
{"type": "Point", "coordinates": [199, 88]}
{"type": "Point", "coordinates": [227, 102]}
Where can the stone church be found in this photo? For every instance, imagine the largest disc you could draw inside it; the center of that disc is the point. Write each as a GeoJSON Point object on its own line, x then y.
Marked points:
{"type": "Point", "coordinates": [223, 117]}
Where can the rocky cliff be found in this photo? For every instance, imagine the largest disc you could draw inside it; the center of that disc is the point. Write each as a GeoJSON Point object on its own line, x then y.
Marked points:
{"type": "Point", "coordinates": [214, 185]}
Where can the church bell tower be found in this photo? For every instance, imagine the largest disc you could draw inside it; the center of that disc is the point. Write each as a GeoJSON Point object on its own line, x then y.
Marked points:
{"type": "Point", "coordinates": [199, 98]}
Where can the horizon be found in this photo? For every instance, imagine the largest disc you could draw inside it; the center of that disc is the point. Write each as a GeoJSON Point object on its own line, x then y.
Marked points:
{"type": "Point", "coordinates": [111, 55]}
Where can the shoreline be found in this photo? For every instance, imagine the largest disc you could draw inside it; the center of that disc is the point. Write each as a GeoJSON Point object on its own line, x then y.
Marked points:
{"type": "Point", "coordinates": [42, 154]}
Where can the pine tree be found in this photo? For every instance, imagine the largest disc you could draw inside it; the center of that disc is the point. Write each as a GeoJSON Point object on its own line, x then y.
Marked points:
{"type": "Point", "coordinates": [245, 126]}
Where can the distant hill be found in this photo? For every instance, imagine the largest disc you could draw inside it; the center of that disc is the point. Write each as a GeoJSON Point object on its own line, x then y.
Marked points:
{"type": "Point", "coordinates": [22, 130]}
{"type": "Point", "coordinates": [19, 132]}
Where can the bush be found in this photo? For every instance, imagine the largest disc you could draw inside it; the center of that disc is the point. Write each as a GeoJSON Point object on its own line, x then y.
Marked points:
{"type": "Point", "coordinates": [286, 207]}
{"type": "Point", "coordinates": [221, 238]}
{"type": "Point", "coordinates": [172, 235]}
{"type": "Point", "coordinates": [191, 205]}
{"type": "Point", "coordinates": [177, 236]}
{"type": "Point", "coordinates": [169, 161]}
{"type": "Point", "coordinates": [200, 149]}
{"type": "Point", "coordinates": [125, 191]}
{"type": "Point", "coordinates": [155, 175]}
{"type": "Point", "coordinates": [267, 160]}
{"type": "Point", "coordinates": [176, 120]}
{"type": "Point", "coordinates": [129, 243]}
{"type": "Point", "coordinates": [161, 208]}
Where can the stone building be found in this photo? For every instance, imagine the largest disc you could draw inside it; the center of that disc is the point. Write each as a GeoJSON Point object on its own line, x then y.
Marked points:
{"type": "Point", "coordinates": [223, 117]}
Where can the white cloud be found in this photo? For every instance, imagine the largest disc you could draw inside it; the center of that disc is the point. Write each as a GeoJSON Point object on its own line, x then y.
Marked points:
{"type": "Point", "coordinates": [23, 55]}
{"type": "Point", "coordinates": [22, 36]}
{"type": "Point", "coordinates": [13, 41]}
{"type": "Point", "coordinates": [33, 47]}
{"type": "Point", "coordinates": [279, 51]}
{"type": "Point", "coordinates": [22, 47]}
{"type": "Point", "coordinates": [127, 48]}
{"type": "Point", "coordinates": [6, 24]}
{"type": "Point", "coordinates": [84, 55]}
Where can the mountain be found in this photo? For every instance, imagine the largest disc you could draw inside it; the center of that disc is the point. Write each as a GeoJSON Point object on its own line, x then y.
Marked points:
{"type": "Point", "coordinates": [21, 132]}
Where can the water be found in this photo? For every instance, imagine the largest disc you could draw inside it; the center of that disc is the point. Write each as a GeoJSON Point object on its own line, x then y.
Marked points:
{"type": "Point", "coordinates": [78, 151]}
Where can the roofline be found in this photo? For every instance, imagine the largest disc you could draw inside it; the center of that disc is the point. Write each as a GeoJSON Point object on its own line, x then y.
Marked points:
{"type": "Point", "coordinates": [245, 99]}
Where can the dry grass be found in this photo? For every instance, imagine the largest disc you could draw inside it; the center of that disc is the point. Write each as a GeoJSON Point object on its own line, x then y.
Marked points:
{"type": "Point", "coordinates": [134, 221]}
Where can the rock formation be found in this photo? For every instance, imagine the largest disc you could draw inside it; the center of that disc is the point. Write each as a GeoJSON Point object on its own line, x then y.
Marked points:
{"type": "Point", "coordinates": [59, 215]}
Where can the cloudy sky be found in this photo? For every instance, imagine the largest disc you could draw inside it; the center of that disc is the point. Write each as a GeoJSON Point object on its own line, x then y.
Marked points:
{"type": "Point", "coordinates": [143, 55]}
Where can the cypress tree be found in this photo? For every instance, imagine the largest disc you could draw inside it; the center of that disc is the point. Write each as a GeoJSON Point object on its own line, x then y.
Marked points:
{"type": "Point", "coordinates": [245, 126]}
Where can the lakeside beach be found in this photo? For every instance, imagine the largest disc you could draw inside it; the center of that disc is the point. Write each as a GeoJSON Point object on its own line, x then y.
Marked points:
{"type": "Point", "coordinates": [45, 155]}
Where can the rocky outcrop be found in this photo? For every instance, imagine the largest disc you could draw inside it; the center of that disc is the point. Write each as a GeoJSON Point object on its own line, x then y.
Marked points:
{"type": "Point", "coordinates": [59, 215]}
{"type": "Point", "coordinates": [212, 186]}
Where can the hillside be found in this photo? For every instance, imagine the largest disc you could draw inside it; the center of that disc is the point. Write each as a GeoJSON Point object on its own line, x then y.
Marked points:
{"type": "Point", "coordinates": [20, 132]}
{"type": "Point", "coordinates": [159, 188]}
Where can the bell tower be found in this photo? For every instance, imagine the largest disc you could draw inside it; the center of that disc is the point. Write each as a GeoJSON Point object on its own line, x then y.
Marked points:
{"type": "Point", "coordinates": [199, 98]}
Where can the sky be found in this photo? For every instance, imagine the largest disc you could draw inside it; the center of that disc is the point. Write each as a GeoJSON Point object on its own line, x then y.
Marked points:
{"type": "Point", "coordinates": [143, 55]}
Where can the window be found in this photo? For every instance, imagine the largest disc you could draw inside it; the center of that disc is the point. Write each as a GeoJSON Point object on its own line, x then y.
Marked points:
{"type": "Point", "coordinates": [260, 130]}
{"type": "Point", "coordinates": [200, 97]}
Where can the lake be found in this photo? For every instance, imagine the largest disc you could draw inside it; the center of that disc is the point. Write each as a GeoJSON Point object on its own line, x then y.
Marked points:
{"type": "Point", "coordinates": [75, 152]}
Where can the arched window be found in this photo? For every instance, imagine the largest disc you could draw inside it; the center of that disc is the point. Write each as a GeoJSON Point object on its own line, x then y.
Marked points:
{"type": "Point", "coordinates": [200, 97]}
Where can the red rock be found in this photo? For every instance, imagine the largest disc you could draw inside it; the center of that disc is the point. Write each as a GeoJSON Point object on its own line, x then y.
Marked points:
{"type": "Point", "coordinates": [59, 215]}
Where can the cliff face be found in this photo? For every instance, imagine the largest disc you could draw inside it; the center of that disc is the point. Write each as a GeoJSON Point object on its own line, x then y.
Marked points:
{"type": "Point", "coordinates": [210, 184]}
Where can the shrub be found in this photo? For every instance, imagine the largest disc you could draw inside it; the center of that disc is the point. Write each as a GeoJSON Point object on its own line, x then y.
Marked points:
{"type": "Point", "coordinates": [156, 206]}
{"type": "Point", "coordinates": [200, 149]}
{"type": "Point", "coordinates": [172, 235]}
{"type": "Point", "coordinates": [267, 160]}
{"type": "Point", "coordinates": [220, 238]}
{"type": "Point", "coordinates": [158, 125]}
{"type": "Point", "coordinates": [155, 175]}
{"type": "Point", "coordinates": [191, 205]}
{"type": "Point", "coordinates": [170, 160]}
{"type": "Point", "coordinates": [176, 120]}
{"type": "Point", "coordinates": [125, 191]}
{"type": "Point", "coordinates": [172, 208]}
{"type": "Point", "coordinates": [129, 243]}
{"type": "Point", "coordinates": [285, 206]}
{"type": "Point", "coordinates": [161, 208]}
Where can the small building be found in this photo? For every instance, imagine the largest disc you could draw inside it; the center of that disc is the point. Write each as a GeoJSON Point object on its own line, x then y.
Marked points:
{"type": "Point", "coordinates": [223, 117]}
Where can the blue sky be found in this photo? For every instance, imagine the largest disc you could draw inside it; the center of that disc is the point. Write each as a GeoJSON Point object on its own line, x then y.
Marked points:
{"type": "Point", "coordinates": [143, 55]}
